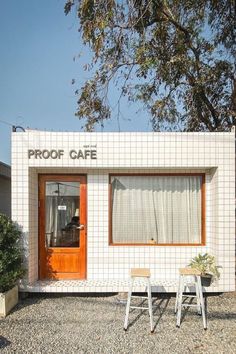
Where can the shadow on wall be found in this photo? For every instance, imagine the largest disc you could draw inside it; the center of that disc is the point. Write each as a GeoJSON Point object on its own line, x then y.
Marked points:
{"type": "Point", "coordinates": [25, 246]}
{"type": "Point", "coordinates": [25, 249]}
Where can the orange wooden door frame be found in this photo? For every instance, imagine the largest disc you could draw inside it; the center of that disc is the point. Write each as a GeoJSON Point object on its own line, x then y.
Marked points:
{"type": "Point", "coordinates": [63, 262]}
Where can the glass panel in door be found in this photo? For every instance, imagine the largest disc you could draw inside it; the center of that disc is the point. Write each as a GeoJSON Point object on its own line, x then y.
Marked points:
{"type": "Point", "coordinates": [62, 214]}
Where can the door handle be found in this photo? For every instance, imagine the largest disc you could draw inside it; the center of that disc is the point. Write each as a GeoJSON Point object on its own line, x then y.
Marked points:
{"type": "Point", "coordinates": [81, 227]}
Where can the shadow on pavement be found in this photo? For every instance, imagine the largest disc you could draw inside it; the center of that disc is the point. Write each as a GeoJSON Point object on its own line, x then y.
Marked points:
{"type": "Point", "coordinates": [4, 342]}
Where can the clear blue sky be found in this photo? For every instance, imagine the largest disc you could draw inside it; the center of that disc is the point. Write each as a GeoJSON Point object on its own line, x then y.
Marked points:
{"type": "Point", "coordinates": [37, 46]}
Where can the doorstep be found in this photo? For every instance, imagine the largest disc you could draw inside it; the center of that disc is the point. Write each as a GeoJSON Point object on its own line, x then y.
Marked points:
{"type": "Point", "coordinates": [95, 286]}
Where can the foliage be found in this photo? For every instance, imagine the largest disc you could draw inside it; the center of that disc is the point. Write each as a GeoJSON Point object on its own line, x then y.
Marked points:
{"type": "Point", "coordinates": [11, 268]}
{"type": "Point", "coordinates": [174, 56]}
{"type": "Point", "coordinates": [206, 265]}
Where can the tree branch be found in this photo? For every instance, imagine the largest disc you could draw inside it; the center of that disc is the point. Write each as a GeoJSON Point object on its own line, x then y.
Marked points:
{"type": "Point", "coordinates": [201, 93]}
{"type": "Point", "coordinates": [210, 107]}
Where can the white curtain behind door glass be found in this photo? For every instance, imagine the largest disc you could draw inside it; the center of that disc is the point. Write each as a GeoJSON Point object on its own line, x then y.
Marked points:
{"type": "Point", "coordinates": [56, 219]}
{"type": "Point", "coordinates": [66, 195]}
{"type": "Point", "coordinates": [164, 208]}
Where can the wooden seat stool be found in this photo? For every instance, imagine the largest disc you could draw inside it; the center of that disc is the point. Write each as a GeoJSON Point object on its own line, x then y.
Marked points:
{"type": "Point", "coordinates": [180, 295]}
{"type": "Point", "coordinates": [145, 274]}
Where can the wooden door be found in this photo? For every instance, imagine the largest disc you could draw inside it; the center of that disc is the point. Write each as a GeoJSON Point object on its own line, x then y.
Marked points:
{"type": "Point", "coordinates": [62, 227]}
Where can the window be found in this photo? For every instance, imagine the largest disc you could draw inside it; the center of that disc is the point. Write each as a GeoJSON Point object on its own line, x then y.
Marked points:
{"type": "Point", "coordinates": [160, 209]}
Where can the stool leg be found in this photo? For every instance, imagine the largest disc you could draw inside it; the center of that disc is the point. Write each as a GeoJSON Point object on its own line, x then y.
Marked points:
{"type": "Point", "coordinates": [177, 296]}
{"type": "Point", "coordinates": [202, 302]}
{"type": "Point", "coordinates": [150, 304]}
{"type": "Point", "coordinates": [128, 305]}
{"type": "Point", "coordinates": [199, 310]}
{"type": "Point", "coordinates": [180, 297]}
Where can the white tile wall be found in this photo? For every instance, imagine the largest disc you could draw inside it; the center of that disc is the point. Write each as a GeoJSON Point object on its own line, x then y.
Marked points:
{"type": "Point", "coordinates": [108, 266]}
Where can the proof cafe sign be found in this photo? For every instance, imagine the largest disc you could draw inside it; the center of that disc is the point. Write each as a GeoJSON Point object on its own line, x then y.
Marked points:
{"type": "Point", "coordinates": [88, 152]}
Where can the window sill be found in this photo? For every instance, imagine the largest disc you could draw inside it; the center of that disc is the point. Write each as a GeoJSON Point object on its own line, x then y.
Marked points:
{"type": "Point", "coordinates": [159, 244]}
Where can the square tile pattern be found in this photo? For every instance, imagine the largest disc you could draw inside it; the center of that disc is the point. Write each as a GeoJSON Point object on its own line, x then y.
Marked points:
{"type": "Point", "coordinates": [108, 266]}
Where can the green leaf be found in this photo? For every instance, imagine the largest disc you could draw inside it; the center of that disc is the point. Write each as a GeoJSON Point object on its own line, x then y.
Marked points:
{"type": "Point", "coordinates": [11, 254]}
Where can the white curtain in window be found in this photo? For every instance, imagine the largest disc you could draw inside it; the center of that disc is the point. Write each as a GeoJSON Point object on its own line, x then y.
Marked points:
{"type": "Point", "coordinates": [164, 208]}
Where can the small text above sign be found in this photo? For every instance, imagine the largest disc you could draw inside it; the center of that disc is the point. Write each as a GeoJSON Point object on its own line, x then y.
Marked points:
{"type": "Point", "coordinates": [88, 152]}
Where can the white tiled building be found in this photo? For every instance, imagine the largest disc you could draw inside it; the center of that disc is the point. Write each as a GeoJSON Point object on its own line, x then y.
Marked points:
{"type": "Point", "coordinates": [107, 246]}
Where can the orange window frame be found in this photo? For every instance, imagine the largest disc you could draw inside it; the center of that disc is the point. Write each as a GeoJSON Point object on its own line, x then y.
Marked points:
{"type": "Point", "coordinates": [203, 209]}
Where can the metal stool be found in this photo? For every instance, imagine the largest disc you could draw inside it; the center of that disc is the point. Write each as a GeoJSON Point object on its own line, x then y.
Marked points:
{"type": "Point", "coordinates": [183, 272]}
{"type": "Point", "coordinates": [145, 274]}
